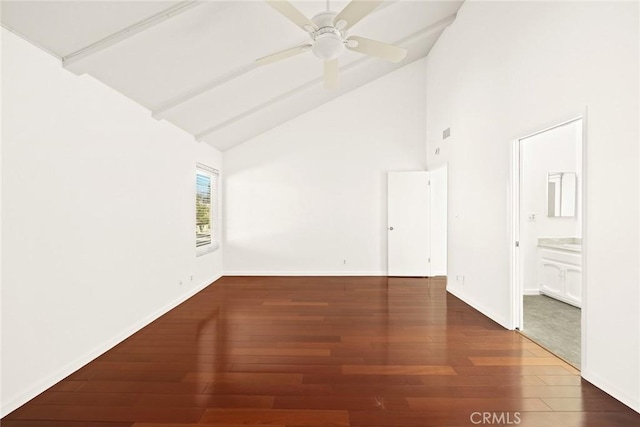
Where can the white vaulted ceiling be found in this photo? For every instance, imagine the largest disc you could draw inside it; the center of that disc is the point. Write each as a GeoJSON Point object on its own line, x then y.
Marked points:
{"type": "Point", "coordinates": [193, 63]}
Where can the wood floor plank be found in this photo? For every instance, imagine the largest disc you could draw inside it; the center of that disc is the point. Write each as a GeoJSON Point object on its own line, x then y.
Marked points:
{"type": "Point", "coordinates": [397, 370]}
{"type": "Point", "coordinates": [280, 352]}
{"type": "Point", "coordinates": [296, 303]}
{"type": "Point", "coordinates": [240, 378]}
{"type": "Point", "coordinates": [53, 423]}
{"type": "Point", "coordinates": [86, 399]}
{"type": "Point", "coordinates": [342, 402]}
{"type": "Point", "coordinates": [144, 387]}
{"type": "Point", "coordinates": [204, 401]}
{"type": "Point", "coordinates": [297, 417]}
{"type": "Point", "coordinates": [196, 425]}
{"type": "Point", "coordinates": [506, 361]}
{"type": "Point", "coordinates": [472, 404]}
{"type": "Point", "coordinates": [284, 368]}
{"type": "Point", "coordinates": [481, 380]}
{"type": "Point", "coordinates": [408, 418]}
{"type": "Point", "coordinates": [321, 351]}
{"type": "Point", "coordinates": [361, 379]}
{"type": "Point", "coordinates": [257, 389]}
{"type": "Point", "coordinates": [560, 379]}
{"type": "Point", "coordinates": [108, 413]}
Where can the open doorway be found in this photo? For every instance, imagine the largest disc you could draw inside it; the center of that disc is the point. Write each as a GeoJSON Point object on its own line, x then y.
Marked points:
{"type": "Point", "coordinates": [548, 218]}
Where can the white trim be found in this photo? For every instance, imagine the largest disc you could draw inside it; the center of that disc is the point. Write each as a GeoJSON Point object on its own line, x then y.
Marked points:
{"type": "Point", "coordinates": [585, 267]}
{"type": "Point", "coordinates": [42, 385]}
{"type": "Point", "coordinates": [207, 168]}
{"type": "Point", "coordinates": [560, 123]}
{"type": "Point", "coordinates": [306, 273]}
{"type": "Point", "coordinates": [515, 270]}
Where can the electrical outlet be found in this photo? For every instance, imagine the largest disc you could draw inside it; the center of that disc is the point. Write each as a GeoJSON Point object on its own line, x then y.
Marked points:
{"type": "Point", "coordinates": [460, 279]}
{"type": "Point", "coordinates": [344, 261]}
{"type": "Point", "coordinates": [532, 216]}
{"type": "Point", "coordinates": [180, 283]}
{"type": "Point", "coordinates": [192, 278]}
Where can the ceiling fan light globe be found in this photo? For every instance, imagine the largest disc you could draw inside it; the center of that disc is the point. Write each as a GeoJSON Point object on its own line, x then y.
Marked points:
{"type": "Point", "coordinates": [328, 46]}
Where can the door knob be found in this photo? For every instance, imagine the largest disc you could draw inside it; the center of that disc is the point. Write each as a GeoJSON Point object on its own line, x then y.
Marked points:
{"type": "Point", "coordinates": [391, 228]}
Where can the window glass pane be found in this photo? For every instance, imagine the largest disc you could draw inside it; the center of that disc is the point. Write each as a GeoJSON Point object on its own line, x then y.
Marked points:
{"type": "Point", "coordinates": [203, 209]}
{"type": "Point", "coordinates": [206, 209]}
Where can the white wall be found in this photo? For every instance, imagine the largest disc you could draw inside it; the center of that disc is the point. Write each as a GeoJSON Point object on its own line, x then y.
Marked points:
{"type": "Point", "coordinates": [1, 221]}
{"type": "Point", "coordinates": [556, 150]}
{"type": "Point", "coordinates": [97, 220]}
{"type": "Point", "coordinates": [311, 193]}
{"type": "Point", "coordinates": [502, 71]}
{"type": "Point", "coordinates": [438, 221]}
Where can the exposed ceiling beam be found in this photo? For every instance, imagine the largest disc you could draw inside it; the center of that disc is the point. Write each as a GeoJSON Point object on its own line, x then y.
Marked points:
{"type": "Point", "coordinates": [425, 32]}
{"type": "Point", "coordinates": [71, 60]}
{"type": "Point", "coordinates": [163, 110]}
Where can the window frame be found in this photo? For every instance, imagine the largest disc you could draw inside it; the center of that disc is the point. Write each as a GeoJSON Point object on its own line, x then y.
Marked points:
{"type": "Point", "coordinates": [214, 177]}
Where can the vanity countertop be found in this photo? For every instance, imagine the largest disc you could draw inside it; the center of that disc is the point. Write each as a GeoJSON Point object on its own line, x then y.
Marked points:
{"type": "Point", "coordinates": [573, 244]}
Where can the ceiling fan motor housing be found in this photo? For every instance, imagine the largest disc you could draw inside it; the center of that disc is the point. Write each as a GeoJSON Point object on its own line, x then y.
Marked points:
{"type": "Point", "coordinates": [329, 41]}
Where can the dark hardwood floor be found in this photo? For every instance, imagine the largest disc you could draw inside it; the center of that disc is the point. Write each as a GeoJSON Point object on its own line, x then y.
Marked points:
{"type": "Point", "coordinates": [339, 351]}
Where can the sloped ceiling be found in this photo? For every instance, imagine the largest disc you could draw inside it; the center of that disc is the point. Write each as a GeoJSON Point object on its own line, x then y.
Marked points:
{"type": "Point", "coordinates": [193, 63]}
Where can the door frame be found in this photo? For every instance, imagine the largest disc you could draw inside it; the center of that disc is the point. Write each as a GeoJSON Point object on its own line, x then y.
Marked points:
{"type": "Point", "coordinates": [516, 273]}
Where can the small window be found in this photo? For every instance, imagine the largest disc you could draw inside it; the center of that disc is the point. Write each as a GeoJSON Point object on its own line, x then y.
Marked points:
{"type": "Point", "coordinates": [206, 209]}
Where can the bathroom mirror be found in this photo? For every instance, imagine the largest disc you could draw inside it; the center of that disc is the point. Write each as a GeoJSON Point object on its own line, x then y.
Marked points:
{"type": "Point", "coordinates": [561, 194]}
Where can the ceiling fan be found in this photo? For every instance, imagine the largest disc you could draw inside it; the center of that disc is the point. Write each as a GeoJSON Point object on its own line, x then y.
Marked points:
{"type": "Point", "coordinates": [328, 32]}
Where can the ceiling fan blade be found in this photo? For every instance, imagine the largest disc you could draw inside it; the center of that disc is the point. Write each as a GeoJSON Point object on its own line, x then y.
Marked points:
{"type": "Point", "coordinates": [354, 12]}
{"type": "Point", "coordinates": [331, 74]}
{"type": "Point", "coordinates": [375, 48]}
{"type": "Point", "coordinates": [279, 56]}
{"type": "Point", "coordinates": [293, 14]}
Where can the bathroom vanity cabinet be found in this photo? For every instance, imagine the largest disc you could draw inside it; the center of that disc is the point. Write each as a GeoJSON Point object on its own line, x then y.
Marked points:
{"type": "Point", "coordinates": [560, 271]}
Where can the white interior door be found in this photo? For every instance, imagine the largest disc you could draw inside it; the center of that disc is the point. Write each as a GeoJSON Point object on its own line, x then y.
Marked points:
{"type": "Point", "coordinates": [408, 224]}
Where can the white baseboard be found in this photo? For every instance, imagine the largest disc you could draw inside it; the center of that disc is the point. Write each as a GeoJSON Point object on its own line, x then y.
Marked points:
{"type": "Point", "coordinates": [489, 313]}
{"type": "Point", "coordinates": [19, 400]}
{"type": "Point", "coordinates": [306, 273]}
{"type": "Point", "coordinates": [532, 292]}
{"type": "Point", "coordinates": [626, 398]}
